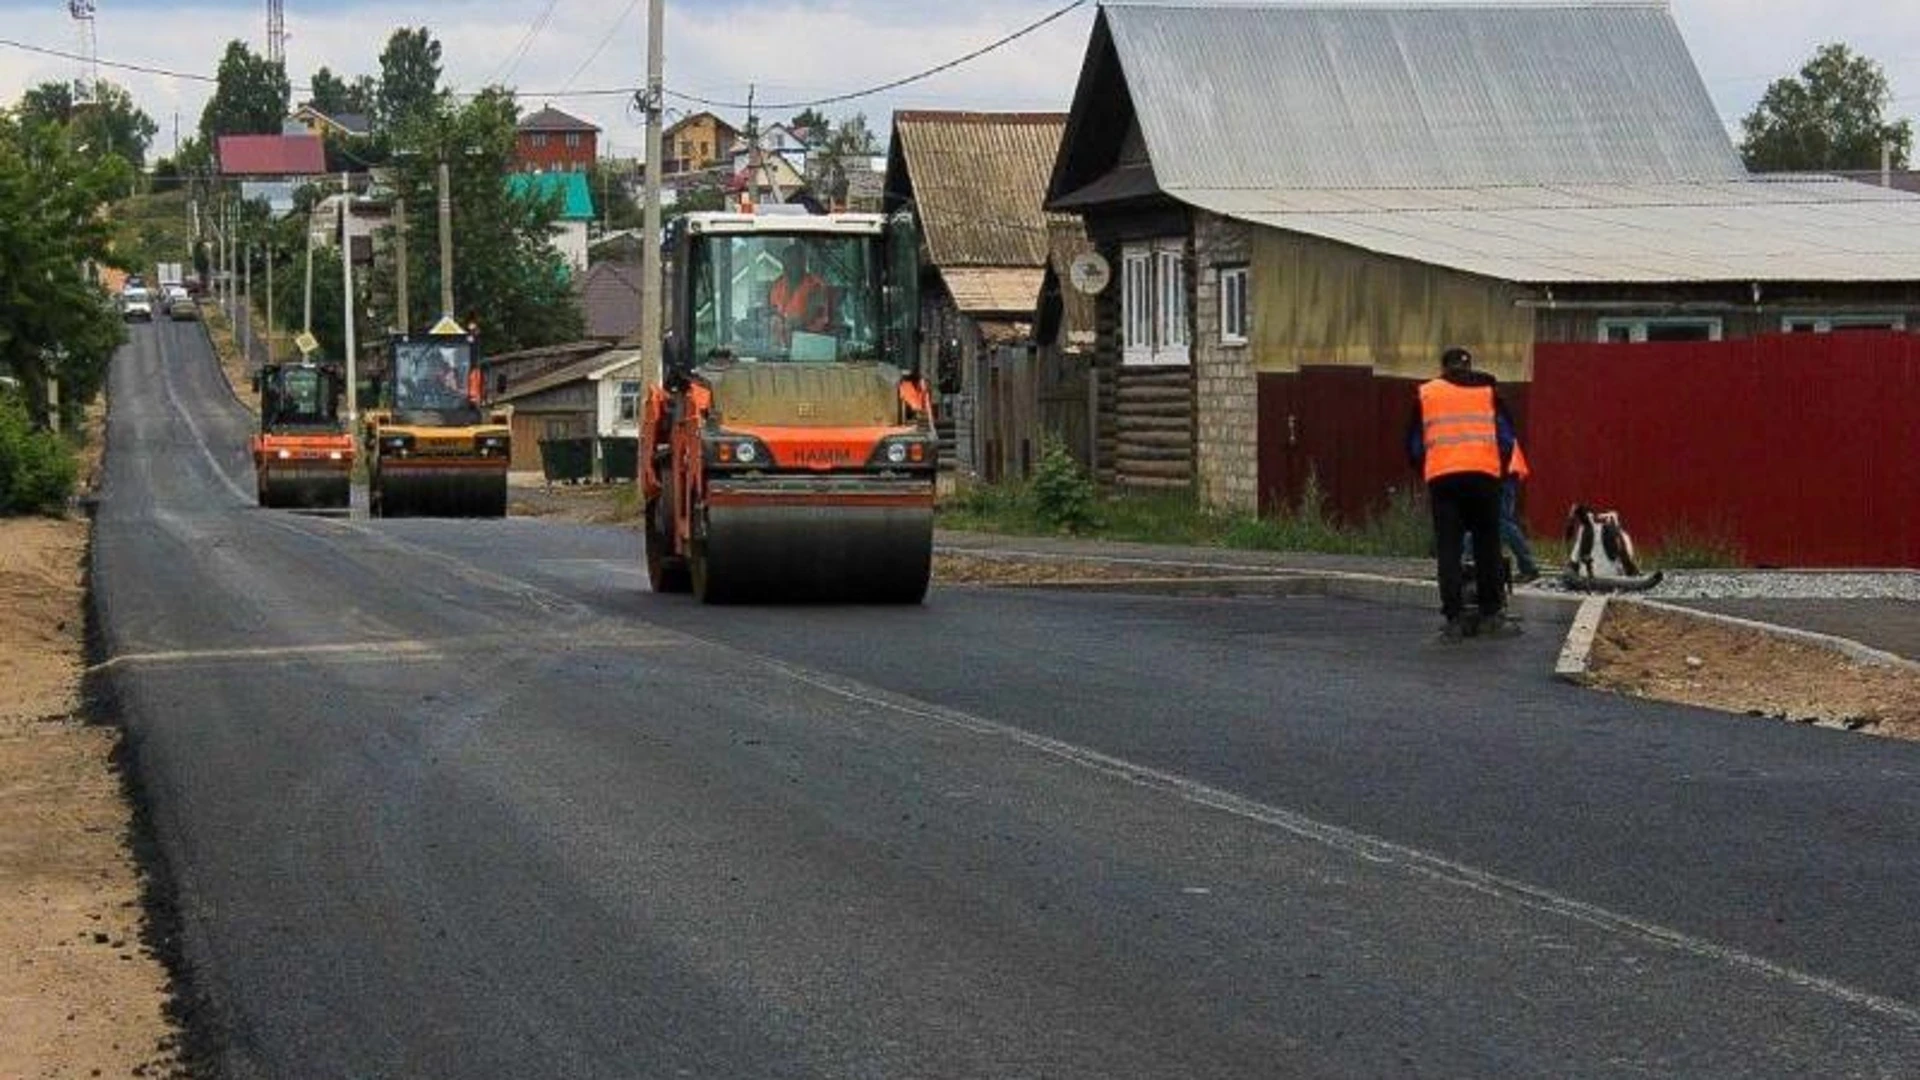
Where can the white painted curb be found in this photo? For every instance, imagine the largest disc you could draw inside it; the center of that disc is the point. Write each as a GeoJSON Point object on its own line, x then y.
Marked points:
{"type": "Point", "coordinates": [1575, 651]}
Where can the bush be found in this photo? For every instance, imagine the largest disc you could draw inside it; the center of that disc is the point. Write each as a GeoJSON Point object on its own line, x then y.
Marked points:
{"type": "Point", "coordinates": [1063, 496]}
{"type": "Point", "coordinates": [37, 469]}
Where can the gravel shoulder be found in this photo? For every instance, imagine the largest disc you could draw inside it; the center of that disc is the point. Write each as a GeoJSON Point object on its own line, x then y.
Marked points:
{"type": "Point", "coordinates": [81, 994]}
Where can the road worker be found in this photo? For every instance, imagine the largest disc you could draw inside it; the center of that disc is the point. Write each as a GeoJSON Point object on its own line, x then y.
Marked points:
{"type": "Point", "coordinates": [1462, 441]}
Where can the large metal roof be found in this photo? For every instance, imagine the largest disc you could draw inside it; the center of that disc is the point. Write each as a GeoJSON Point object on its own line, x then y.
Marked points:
{"type": "Point", "coordinates": [978, 181]}
{"type": "Point", "coordinates": [1801, 228]}
{"type": "Point", "coordinates": [1323, 96]}
{"type": "Point", "coordinates": [1543, 142]}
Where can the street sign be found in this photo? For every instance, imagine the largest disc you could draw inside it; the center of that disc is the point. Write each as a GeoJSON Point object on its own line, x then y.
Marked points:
{"type": "Point", "coordinates": [306, 343]}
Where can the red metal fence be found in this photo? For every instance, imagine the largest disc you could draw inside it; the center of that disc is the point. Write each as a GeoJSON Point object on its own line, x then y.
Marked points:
{"type": "Point", "coordinates": [1802, 450]}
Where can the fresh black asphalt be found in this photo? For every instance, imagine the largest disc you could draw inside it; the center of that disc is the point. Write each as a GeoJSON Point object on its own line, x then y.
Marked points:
{"type": "Point", "coordinates": [462, 799]}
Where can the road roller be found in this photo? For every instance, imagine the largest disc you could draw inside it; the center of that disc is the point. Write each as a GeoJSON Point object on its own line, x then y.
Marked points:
{"type": "Point", "coordinates": [303, 453]}
{"type": "Point", "coordinates": [788, 451]}
{"type": "Point", "coordinates": [433, 451]}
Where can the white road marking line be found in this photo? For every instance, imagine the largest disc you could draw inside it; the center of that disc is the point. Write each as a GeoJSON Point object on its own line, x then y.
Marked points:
{"type": "Point", "coordinates": [199, 437]}
{"type": "Point", "coordinates": [399, 651]}
{"type": "Point", "coordinates": [1373, 849]}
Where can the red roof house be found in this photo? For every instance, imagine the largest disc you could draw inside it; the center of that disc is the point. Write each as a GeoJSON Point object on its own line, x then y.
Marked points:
{"type": "Point", "coordinates": [272, 155]}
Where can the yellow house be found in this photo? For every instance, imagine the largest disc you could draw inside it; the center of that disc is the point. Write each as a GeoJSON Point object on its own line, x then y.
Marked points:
{"type": "Point", "coordinates": [701, 141]}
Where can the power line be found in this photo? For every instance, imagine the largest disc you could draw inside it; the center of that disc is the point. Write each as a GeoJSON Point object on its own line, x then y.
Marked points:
{"type": "Point", "coordinates": [604, 42]}
{"type": "Point", "coordinates": [835, 99]}
{"type": "Point", "coordinates": [519, 52]}
{"type": "Point", "coordinates": [628, 91]}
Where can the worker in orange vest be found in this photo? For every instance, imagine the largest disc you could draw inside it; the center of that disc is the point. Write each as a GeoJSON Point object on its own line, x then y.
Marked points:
{"type": "Point", "coordinates": [1526, 567]}
{"type": "Point", "coordinates": [798, 296]}
{"type": "Point", "coordinates": [1461, 439]}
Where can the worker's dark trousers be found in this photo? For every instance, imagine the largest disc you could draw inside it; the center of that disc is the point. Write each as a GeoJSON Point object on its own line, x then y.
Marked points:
{"type": "Point", "coordinates": [1463, 503]}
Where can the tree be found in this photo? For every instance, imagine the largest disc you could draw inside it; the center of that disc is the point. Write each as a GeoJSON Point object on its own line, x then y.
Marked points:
{"type": "Point", "coordinates": [55, 323]}
{"type": "Point", "coordinates": [506, 271]}
{"type": "Point", "coordinates": [812, 125]}
{"type": "Point", "coordinates": [1829, 118]}
{"type": "Point", "coordinates": [108, 124]}
{"type": "Point", "coordinates": [250, 99]}
{"type": "Point", "coordinates": [333, 95]}
{"type": "Point", "coordinates": [409, 77]}
{"type": "Point", "coordinates": [851, 141]}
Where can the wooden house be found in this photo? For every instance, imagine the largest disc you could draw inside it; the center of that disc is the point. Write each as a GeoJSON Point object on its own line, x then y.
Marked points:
{"type": "Point", "coordinates": [550, 141]}
{"type": "Point", "coordinates": [1302, 206]}
{"type": "Point", "coordinates": [975, 182]}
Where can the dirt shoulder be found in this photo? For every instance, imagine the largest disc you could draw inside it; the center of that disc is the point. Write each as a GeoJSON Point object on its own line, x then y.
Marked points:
{"type": "Point", "coordinates": [80, 995]}
{"type": "Point", "coordinates": [1649, 653]}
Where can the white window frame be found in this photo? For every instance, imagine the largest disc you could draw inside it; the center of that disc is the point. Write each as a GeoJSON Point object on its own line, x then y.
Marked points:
{"type": "Point", "coordinates": [1827, 324]}
{"type": "Point", "coordinates": [627, 402]}
{"type": "Point", "coordinates": [573, 140]}
{"type": "Point", "coordinates": [1153, 303]}
{"type": "Point", "coordinates": [1636, 326]}
{"type": "Point", "coordinates": [1234, 323]}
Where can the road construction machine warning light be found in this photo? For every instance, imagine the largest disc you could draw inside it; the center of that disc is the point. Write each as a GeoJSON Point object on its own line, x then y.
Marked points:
{"type": "Point", "coordinates": [433, 450]}
{"type": "Point", "coordinates": [788, 451]}
{"type": "Point", "coordinates": [303, 453]}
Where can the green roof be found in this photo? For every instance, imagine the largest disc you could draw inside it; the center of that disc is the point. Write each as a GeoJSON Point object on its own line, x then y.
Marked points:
{"type": "Point", "coordinates": [576, 200]}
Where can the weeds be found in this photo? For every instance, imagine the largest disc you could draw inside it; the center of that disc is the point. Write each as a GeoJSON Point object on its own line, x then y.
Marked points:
{"type": "Point", "coordinates": [37, 468]}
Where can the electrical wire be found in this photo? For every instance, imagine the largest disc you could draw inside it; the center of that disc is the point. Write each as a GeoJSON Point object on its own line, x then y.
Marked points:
{"type": "Point", "coordinates": [629, 91]}
{"type": "Point", "coordinates": [604, 42]}
{"type": "Point", "coordinates": [919, 76]}
{"type": "Point", "coordinates": [519, 53]}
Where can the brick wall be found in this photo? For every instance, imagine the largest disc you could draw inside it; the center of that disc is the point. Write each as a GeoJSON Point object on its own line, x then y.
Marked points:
{"type": "Point", "coordinates": [1226, 394]}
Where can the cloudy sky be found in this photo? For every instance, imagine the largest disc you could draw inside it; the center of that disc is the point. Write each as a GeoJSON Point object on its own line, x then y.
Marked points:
{"type": "Point", "coordinates": [791, 50]}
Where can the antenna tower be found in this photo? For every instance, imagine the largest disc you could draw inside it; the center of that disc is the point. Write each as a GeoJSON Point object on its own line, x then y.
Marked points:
{"type": "Point", "coordinates": [277, 32]}
{"type": "Point", "coordinates": [83, 87]}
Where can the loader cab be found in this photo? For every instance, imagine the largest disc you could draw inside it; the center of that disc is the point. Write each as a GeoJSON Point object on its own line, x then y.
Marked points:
{"type": "Point", "coordinates": [791, 289]}
{"type": "Point", "coordinates": [427, 380]}
{"type": "Point", "coordinates": [299, 397]}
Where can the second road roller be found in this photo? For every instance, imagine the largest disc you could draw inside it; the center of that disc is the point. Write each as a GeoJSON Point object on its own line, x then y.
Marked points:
{"type": "Point", "coordinates": [303, 453]}
{"type": "Point", "coordinates": [789, 450]}
{"type": "Point", "coordinates": [433, 451]}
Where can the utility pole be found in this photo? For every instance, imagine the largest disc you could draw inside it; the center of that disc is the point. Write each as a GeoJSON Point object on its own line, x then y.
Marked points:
{"type": "Point", "coordinates": [346, 283]}
{"type": "Point", "coordinates": [650, 218]}
{"type": "Point", "coordinates": [246, 306]}
{"type": "Point", "coordinates": [306, 309]}
{"type": "Point", "coordinates": [400, 257]}
{"type": "Point", "coordinates": [268, 248]}
{"type": "Point", "coordinates": [446, 242]}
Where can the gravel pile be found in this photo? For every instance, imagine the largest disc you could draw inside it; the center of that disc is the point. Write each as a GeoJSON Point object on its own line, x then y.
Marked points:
{"type": "Point", "coordinates": [1787, 585]}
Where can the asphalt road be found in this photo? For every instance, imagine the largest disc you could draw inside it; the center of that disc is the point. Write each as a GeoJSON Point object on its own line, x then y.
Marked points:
{"type": "Point", "coordinates": [462, 799]}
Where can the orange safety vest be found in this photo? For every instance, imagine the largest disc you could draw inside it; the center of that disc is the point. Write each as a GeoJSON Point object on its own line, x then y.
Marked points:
{"type": "Point", "coordinates": [794, 301]}
{"type": "Point", "coordinates": [1517, 465]}
{"type": "Point", "coordinates": [1459, 429]}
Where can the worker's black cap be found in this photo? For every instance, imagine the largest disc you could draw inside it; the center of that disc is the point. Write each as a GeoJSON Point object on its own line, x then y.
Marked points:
{"type": "Point", "coordinates": [1456, 359]}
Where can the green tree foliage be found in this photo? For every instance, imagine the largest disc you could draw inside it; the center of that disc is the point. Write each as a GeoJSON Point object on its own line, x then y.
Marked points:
{"type": "Point", "coordinates": [55, 322]}
{"type": "Point", "coordinates": [507, 274]}
{"type": "Point", "coordinates": [250, 99]}
{"type": "Point", "coordinates": [612, 200]}
{"type": "Point", "coordinates": [813, 126]}
{"type": "Point", "coordinates": [109, 124]}
{"type": "Point", "coordinates": [333, 95]}
{"type": "Point", "coordinates": [1831, 117]}
{"type": "Point", "coordinates": [409, 78]}
{"type": "Point", "coordinates": [37, 468]}
{"type": "Point", "coordinates": [847, 143]}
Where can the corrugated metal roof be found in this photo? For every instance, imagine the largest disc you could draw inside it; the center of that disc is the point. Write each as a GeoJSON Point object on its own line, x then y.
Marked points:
{"type": "Point", "coordinates": [1803, 228]}
{"type": "Point", "coordinates": [552, 119]}
{"type": "Point", "coordinates": [990, 291]}
{"type": "Point", "coordinates": [272, 155]}
{"type": "Point", "coordinates": [1412, 96]}
{"type": "Point", "coordinates": [979, 180]}
{"type": "Point", "coordinates": [570, 188]}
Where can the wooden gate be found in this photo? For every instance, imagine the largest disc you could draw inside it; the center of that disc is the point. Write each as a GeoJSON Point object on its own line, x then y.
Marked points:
{"type": "Point", "coordinates": [1025, 395]}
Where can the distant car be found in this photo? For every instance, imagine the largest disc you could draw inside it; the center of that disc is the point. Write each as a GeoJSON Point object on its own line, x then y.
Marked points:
{"type": "Point", "coordinates": [136, 304]}
{"type": "Point", "coordinates": [183, 308]}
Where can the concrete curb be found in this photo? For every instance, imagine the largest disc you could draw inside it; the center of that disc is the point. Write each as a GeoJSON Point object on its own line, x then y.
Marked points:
{"type": "Point", "coordinates": [1851, 649]}
{"type": "Point", "coordinates": [1240, 579]}
{"type": "Point", "coordinates": [1575, 651]}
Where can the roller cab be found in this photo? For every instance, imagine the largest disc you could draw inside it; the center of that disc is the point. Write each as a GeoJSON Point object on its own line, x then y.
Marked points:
{"type": "Point", "coordinates": [303, 454]}
{"type": "Point", "coordinates": [789, 453]}
{"type": "Point", "coordinates": [433, 450]}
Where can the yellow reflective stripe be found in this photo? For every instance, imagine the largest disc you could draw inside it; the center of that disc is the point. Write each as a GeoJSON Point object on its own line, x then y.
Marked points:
{"type": "Point", "coordinates": [1456, 440]}
{"type": "Point", "coordinates": [1459, 418]}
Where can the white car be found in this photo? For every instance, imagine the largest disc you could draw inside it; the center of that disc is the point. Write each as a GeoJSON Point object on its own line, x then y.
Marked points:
{"type": "Point", "coordinates": [136, 304]}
